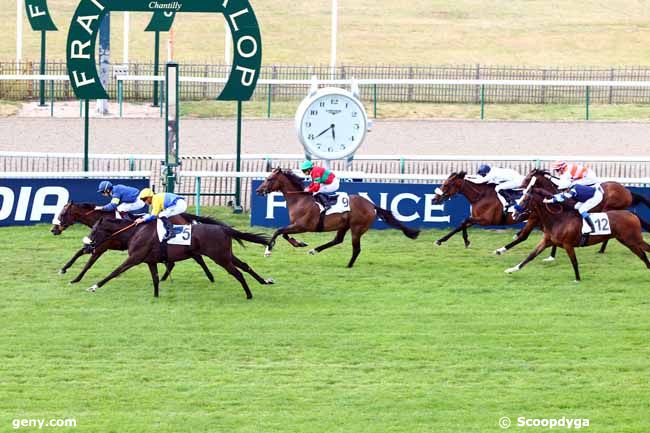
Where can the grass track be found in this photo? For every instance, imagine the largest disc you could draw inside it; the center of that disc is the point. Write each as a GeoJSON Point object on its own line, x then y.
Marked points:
{"type": "Point", "coordinates": [416, 338]}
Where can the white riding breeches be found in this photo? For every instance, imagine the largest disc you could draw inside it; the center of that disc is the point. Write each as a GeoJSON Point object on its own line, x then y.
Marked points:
{"type": "Point", "coordinates": [510, 184]}
{"type": "Point", "coordinates": [332, 187]}
{"type": "Point", "coordinates": [592, 202]}
{"type": "Point", "coordinates": [130, 207]}
{"type": "Point", "coordinates": [586, 181]}
{"type": "Point", "coordinates": [178, 208]}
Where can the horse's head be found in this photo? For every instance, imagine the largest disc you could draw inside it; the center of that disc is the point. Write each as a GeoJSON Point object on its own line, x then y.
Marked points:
{"type": "Point", "coordinates": [63, 220]}
{"type": "Point", "coordinates": [544, 179]}
{"type": "Point", "coordinates": [280, 180]}
{"type": "Point", "coordinates": [449, 187]}
{"type": "Point", "coordinates": [101, 231]}
{"type": "Point", "coordinates": [533, 196]}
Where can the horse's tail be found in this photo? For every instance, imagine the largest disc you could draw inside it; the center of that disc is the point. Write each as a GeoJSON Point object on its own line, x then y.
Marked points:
{"type": "Point", "coordinates": [638, 198]}
{"type": "Point", "coordinates": [390, 219]}
{"type": "Point", "coordinates": [203, 219]}
{"type": "Point", "coordinates": [256, 238]}
{"type": "Point", "coordinates": [645, 224]}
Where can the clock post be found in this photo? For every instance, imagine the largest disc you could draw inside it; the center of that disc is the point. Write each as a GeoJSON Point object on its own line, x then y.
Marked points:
{"type": "Point", "coordinates": [172, 120]}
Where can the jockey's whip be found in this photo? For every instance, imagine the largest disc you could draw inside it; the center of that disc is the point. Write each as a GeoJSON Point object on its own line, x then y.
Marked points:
{"type": "Point", "coordinates": [124, 229]}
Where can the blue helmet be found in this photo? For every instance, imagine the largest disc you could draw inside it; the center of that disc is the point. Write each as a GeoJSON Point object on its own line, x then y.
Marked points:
{"type": "Point", "coordinates": [483, 170]}
{"type": "Point", "coordinates": [104, 186]}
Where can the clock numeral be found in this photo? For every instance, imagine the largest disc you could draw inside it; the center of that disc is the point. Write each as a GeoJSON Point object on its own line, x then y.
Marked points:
{"type": "Point", "coordinates": [352, 138]}
{"type": "Point", "coordinates": [342, 146]}
{"type": "Point", "coordinates": [308, 124]}
{"type": "Point", "coordinates": [356, 126]}
{"type": "Point", "coordinates": [354, 114]}
{"type": "Point", "coordinates": [310, 136]}
{"type": "Point", "coordinates": [313, 112]}
{"type": "Point", "coordinates": [322, 104]}
{"type": "Point", "coordinates": [346, 105]}
{"type": "Point", "coordinates": [318, 145]}
{"type": "Point", "coordinates": [334, 102]}
{"type": "Point", "coordinates": [330, 149]}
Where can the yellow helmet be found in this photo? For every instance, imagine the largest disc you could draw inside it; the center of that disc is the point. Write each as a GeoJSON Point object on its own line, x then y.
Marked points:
{"type": "Point", "coordinates": [146, 193]}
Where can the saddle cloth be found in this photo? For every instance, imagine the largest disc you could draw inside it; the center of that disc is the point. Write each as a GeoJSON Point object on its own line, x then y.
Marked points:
{"type": "Point", "coordinates": [342, 204]}
{"type": "Point", "coordinates": [601, 222]}
{"type": "Point", "coordinates": [182, 234]}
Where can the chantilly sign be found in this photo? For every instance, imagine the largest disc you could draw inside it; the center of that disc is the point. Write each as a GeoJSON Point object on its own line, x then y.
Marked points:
{"type": "Point", "coordinates": [239, 15]}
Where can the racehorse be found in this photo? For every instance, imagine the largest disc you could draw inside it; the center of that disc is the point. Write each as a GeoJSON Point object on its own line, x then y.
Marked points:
{"type": "Point", "coordinates": [86, 214]}
{"type": "Point", "coordinates": [615, 197]}
{"type": "Point", "coordinates": [563, 227]}
{"type": "Point", "coordinates": [208, 238]}
{"type": "Point", "coordinates": [304, 215]}
{"type": "Point", "coordinates": [486, 208]}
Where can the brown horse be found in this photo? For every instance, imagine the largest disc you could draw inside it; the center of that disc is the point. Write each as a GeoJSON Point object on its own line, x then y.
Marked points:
{"type": "Point", "coordinates": [615, 197]}
{"type": "Point", "coordinates": [563, 227]}
{"type": "Point", "coordinates": [86, 214]}
{"type": "Point", "coordinates": [304, 215]}
{"type": "Point", "coordinates": [487, 210]}
{"type": "Point", "coordinates": [209, 238]}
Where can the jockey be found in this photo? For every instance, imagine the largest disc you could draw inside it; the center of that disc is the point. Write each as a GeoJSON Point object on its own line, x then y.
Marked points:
{"type": "Point", "coordinates": [504, 178]}
{"type": "Point", "coordinates": [324, 182]}
{"type": "Point", "coordinates": [586, 197]}
{"type": "Point", "coordinates": [123, 198]}
{"type": "Point", "coordinates": [163, 205]}
{"type": "Point", "coordinates": [576, 174]}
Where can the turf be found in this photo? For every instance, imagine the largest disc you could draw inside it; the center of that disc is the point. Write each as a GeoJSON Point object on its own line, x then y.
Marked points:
{"type": "Point", "coordinates": [531, 32]}
{"type": "Point", "coordinates": [415, 338]}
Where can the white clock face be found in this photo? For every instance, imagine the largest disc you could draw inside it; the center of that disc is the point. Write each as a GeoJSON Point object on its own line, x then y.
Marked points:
{"type": "Point", "coordinates": [333, 126]}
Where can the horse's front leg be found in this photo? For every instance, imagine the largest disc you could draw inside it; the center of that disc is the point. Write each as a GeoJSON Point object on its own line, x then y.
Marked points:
{"type": "Point", "coordinates": [464, 225]}
{"type": "Point", "coordinates": [284, 231]}
{"type": "Point", "coordinates": [543, 244]}
{"type": "Point", "coordinates": [521, 236]}
{"type": "Point", "coordinates": [74, 258]}
{"type": "Point", "coordinates": [126, 265]}
{"type": "Point", "coordinates": [293, 241]}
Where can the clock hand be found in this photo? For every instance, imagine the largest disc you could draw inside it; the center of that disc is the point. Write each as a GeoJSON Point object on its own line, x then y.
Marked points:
{"type": "Point", "coordinates": [324, 131]}
{"type": "Point", "coordinates": [333, 134]}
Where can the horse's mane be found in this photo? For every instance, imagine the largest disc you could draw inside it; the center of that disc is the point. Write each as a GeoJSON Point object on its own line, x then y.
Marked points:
{"type": "Point", "coordinates": [296, 181]}
{"type": "Point", "coordinates": [459, 175]}
{"type": "Point", "coordinates": [84, 205]}
{"type": "Point", "coordinates": [542, 171]}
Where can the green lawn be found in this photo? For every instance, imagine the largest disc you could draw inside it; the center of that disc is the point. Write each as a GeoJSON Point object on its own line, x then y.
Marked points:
{"type": "Point", "coordinates": [533, 32]}
{"type": "Point", "coordinates": [388, 110]}
{"type": "Point", "coordinates": [415, 338]}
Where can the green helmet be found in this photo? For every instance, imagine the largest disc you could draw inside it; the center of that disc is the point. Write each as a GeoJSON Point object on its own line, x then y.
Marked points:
{"type": "Point", "coordinates": [307, 165]}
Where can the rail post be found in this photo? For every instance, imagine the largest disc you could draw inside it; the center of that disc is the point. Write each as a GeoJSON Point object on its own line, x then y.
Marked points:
{"type": "Point", "coordinates": [120, 96]}
{"type": "Point", "coordinates": [587, 103]}
{"type": "Point", "coordinates": [482, 101]}
{"type": "Point", "coordinates": [268, 103]}
{"type": "Point", "coordinates": [374, 100]}
{"type": "Point", "coordinates": [197, 198]}
{"type": "Point", "coordinates": [51, 98]}
{"type": "Point", "coordinates": [237, 208]}
{"type": "Point", "coordinates": [401, 167]}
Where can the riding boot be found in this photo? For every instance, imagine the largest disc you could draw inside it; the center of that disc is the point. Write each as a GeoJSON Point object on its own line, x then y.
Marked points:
{"type": "Point", "coordinates": [323, 200]}
{"type": "Point", "coordinates": [169, 229]}
{"type": "Point", "coordinates": [585, 236]}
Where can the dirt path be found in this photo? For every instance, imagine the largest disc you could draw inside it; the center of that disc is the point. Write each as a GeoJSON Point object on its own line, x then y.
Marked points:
{"type": "Point", "coordinates": [396, 137]}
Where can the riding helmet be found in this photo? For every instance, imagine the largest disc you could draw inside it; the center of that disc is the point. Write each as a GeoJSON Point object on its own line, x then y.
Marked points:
{"type": "Point", "coordinates": [559, 165]}
{"type": "Point", "coordinates": [307, 165]}
{"type": "Point", "coordinates": [145, 193]}
{"type": "Point", "coordinates": [104, 186]}
{"type": "Point", "coordinates": [483, 170]}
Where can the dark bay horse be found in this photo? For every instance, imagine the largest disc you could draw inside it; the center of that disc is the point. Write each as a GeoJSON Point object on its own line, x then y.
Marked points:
{"type": "Point", "coordinates": [615, 197]}
{"type": "Point", "coordinates": [208, 238]}
{"type": "Point", "coordinates": [304, 215]}
{"type": "Point", "coordinates": [487, 210]}
{"type": "Point", "coordinates": [562, 226]}
{"type": "Point", "coordinates": [86, 214]}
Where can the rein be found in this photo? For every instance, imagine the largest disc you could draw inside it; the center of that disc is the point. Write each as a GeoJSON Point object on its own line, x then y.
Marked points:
{"type": "Point", "coordinates": [478, 194]}
{"type": "Point", "coordinates": [89, 212]}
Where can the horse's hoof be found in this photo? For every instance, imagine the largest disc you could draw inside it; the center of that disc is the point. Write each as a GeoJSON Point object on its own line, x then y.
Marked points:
{"type": "Point", "coordinates": [512, 270]}
{"type": "Point", "coordinates": [62, 272]}
{"type": "Point", "coordinates": [269, 281]}
{"type": "Point", "coordinates": [467, 244]}
{"type": "Point", "coordinates": [438, 242]}
{"type": "Point", "coordinates": [92, 288]}
{"type": "Point", "coordinates": [267, 252]}
{"type": "Point", "coordinates": [74, 281]}
{"type": "Point", "coordinates": [302, 244]}
{"type": "Point", "coordinates": [313, 252]}
{"type": "Point", "coordinates": [500, 251]}
{"type": "Point", "coordinates": [549, 259]}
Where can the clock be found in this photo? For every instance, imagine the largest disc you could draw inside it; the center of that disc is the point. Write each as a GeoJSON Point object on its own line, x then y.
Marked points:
{"type": "Point", "coordinates": [331, 123]}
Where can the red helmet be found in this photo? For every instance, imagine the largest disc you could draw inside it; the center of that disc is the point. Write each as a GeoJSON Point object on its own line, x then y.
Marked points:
{"type": "Point", "coordinates": [559, 165]}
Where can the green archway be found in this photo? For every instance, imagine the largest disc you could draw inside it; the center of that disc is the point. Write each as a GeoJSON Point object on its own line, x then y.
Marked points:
{"type": "Point", "coordinates": [239, 15]}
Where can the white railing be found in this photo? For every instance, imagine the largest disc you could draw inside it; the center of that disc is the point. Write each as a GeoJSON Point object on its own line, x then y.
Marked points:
{"type": "Point", "coordinates": [73, 174]}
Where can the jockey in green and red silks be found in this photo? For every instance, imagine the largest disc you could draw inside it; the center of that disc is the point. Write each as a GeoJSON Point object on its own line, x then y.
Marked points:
{"type": "Point", "coordinates": [324, 182]}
